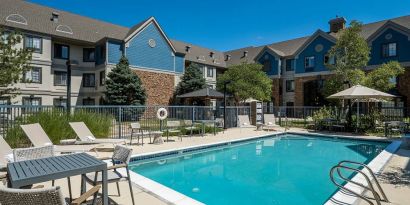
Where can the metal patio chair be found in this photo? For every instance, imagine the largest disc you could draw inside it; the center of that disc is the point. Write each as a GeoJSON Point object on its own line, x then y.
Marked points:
{"type": "Point", "coordinates": [120, 159]}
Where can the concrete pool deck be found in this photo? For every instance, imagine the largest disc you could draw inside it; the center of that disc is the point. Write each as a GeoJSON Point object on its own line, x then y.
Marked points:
{"type": "Point", "coordinates": [396, 180]}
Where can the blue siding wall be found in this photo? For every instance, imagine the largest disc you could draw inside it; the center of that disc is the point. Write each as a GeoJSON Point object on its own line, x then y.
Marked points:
{"type": "Point", "coordinates": [403, 47]}
{"type": "Point", "coordinates": [140, 54]}
{"type": "Point", "coordinates": [114, 51]}
{"type": "Point", "coordinates": [179, 64]}
{"type": "Point", "coordinates": [311, 51]}
{"type": "Point", "coordinates": [274, 63]}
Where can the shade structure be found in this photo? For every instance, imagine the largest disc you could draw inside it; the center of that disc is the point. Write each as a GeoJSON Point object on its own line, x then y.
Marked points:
{"type": "Point", "coordinates": [203, 93]}
{"type": "Point", "coordinates": [361, 92]}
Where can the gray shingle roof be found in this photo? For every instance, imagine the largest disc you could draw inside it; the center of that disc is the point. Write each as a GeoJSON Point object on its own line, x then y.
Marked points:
{"type": "Point", "coordinates": [200, 54]}
{"type": "Point", "coordinates": [203, 93]}
{"type": "Point", "coordinates": [39, 20]}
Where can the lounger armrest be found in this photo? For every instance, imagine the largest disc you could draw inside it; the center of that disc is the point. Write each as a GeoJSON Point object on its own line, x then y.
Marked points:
{"type": "Point", "coordinates": [104, 158]}
{"type": "Point", "coordinates": [86, 195]}
{"type": "Point", "coordinates": [3, 176]}
{"type": "Point", "coordinates": [117, 166]}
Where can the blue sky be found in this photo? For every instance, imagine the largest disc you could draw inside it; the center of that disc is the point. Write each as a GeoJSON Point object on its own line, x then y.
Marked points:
{"type": "Point", "coordinates": [232, 24]}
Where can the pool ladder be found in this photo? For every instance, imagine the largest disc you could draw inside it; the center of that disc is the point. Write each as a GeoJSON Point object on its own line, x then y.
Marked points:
{"type": "Point", "coordinates": [378, 196]}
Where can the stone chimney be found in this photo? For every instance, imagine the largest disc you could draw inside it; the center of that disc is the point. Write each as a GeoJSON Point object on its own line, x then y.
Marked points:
{"type": "Point", "coordinates": [337, 24]}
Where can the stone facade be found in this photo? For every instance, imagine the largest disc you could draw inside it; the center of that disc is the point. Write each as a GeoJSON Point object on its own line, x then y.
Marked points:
{"type": "Point", "coordinates": [159, 86]}
{"type": "Point", "coordinates": [404, 86]}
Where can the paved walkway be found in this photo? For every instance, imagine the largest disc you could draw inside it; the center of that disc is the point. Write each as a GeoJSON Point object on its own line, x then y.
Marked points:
{"type": "Point", "coordinates": [395, 178]}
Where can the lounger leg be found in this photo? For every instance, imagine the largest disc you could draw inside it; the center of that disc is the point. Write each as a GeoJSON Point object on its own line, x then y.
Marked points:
{"type": "Point", "coordinates": [52, 183]}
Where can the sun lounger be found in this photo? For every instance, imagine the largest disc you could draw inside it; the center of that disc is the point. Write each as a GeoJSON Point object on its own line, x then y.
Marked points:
{"type": "Point", "coordinates": [85, 136]}
{"type": "Point", "coordinates": [6, 153]}
{"type": "Point", "coordinates": [39, 138]}
{"type": "Point", "coordinates": [270, 122]}
{"type": "Point", "coordinates": [243, 122]}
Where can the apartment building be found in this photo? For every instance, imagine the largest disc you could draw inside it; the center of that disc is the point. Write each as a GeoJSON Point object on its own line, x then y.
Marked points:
{"type": "Point", "coordinates": [296, 66]}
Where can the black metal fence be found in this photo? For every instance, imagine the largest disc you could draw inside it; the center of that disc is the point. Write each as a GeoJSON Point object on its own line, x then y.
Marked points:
{"type": "Point", "coordinates": [121, 116]}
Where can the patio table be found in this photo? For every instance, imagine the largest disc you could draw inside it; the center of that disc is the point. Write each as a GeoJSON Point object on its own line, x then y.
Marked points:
{"type": "Point", "coordinates": [30, 172]}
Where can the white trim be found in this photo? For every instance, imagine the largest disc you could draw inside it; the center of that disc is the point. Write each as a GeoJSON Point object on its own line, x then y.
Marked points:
{"type": "Point", "coordinates": [388, 25]}
{"type": "Point", "coordinates": [17, 22]}
{"type": "Point", "coordinates": [61, 25]}
{"type": "Point", "coordinates": [143, 26]}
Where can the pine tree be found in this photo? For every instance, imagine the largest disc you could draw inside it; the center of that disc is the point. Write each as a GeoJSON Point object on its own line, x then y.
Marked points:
{"type": "Point", "coordinates": [192, 80]}
{"type": "Point", "coordinates": [123, 86]}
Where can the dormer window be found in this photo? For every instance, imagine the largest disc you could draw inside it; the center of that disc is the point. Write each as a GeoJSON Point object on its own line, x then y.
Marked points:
{"type": "Point", "coordinates": [228, 57]}
{"type": "Point", "coordinates": [54, 16]}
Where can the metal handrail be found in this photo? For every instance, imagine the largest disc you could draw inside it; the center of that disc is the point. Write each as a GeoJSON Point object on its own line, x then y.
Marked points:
{"type": "Point", "coordinates": [371, 173]}
{"type": "Point", "coordinates": [369, 186]}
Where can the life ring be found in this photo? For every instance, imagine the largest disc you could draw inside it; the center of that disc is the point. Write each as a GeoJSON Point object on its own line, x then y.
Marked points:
{"type": "Point", "coordinates": [162, 113]}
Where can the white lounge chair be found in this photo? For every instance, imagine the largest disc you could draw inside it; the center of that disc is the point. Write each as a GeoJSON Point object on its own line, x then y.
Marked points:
{"type": "Point", "coordinates": [6, 153]}
{"type": "Point", "coordinates": [270, 122]}
{"type": "Point", "coordinates": [243, 122]}
{"type": "Point", "coordinates": [39, 138]}
{"type": "Point", "coordinates": [85, 136]}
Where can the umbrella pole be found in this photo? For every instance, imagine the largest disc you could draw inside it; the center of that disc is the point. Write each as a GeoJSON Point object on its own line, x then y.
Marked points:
{"type": "Point", "coordinates": [357, 116]}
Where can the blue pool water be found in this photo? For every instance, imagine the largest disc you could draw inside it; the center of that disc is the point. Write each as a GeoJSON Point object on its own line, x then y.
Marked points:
{"type": "Point", "coordinates": [281, 170]}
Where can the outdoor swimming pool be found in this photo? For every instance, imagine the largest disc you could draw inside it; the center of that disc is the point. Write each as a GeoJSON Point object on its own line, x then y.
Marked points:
{"type": "Point", "coordinates": [279, 170]}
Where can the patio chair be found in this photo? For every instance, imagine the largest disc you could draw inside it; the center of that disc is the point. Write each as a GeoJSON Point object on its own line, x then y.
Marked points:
{"type": "Point", "coordinates": [220, 124]}
{"type": "Point", "coordinates": [190, 126]}
{"type": "Point", "coordinates": [243, 122]}
{"type": "Point", "coordinates": [53, 195]}
{"type": "Point", "coordinates": [85, 136]}
{"type": "Point", "coordinates": [269, 122]}
{"type": "Point", "coordinates": [120, 159]}
{"type": "Point", "coordinates": [173, 127]}
{"type": "Point", "coordinates": [396, 127]}
{"type": "Point", "coordinates": [6, 153]}
{"type": "Point", "coordinates": [39, 138]}
{"type": "Point", "coordinates": [137, 131]}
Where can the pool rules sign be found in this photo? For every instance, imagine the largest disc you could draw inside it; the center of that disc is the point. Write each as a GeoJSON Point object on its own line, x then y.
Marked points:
{"type": "Point", "coordinates": [257, 112]}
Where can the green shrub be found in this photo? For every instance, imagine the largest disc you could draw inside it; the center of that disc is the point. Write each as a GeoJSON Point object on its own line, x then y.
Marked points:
{"type": "Point", "coordinates": [55, 124]}
{"type": "Point", "coordinates": [323, 113]}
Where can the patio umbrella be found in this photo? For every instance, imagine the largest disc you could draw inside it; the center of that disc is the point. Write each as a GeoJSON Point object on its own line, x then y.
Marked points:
{"type": "Point", "coordinates": [203, 93]}
{"type": "Point", "coordinates": [361, 93]}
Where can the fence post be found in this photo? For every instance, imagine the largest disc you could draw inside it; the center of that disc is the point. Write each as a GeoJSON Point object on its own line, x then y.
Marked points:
{"type": "Point", "coordinates": [119, 121]}
{"type": "Point", "coordinates": [193, 113]}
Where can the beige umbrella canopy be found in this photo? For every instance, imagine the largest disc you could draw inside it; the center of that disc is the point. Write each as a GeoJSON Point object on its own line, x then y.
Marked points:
{"type": "Point", "coordinates": [361, 93]}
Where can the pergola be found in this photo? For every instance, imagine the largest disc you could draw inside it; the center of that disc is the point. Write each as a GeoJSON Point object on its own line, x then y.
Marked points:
{"type": "Point", "coordinates": [206, 94]}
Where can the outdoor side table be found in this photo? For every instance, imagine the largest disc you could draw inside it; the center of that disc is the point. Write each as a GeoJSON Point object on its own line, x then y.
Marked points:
{"type": "Point", "coordinates": [259, 126]}
{"type": "Point", "coordinates": [30, 172]}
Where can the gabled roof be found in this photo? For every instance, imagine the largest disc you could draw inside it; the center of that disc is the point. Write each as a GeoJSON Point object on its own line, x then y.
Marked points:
{"type": "Point", "coordinates": [39, 20]}
{"type": "Point", "coordinates": [270, 50]}
{"type": "Point", "coordinates": [312, 38]}
{"type": "Point", "coordinates": [389, 24]}
{"type": "Point", "coordinates": [238, 57]}
{"type": "Point", "coordinates": [200, 54]}
{"type": "Point", "coordinates": [135, 30]}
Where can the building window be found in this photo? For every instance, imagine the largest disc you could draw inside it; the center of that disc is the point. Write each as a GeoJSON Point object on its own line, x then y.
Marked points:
{"type": "Point", "coordinates": [267, 65]}
{"type": "Point", "coordinates": [33, 75]}
{"type": "Point", "coordinates": [60, 102]}
{"type": "Point", "coordinates": [88, 54]}
{"type": "Point", "coordinates": [4, 36]}
{"type": "Point", "coordinates": [34, 43]}
{"type": "Point", "coordinates": [88, 101]}
{"type": "Point", "coordinates": [61, 51]}
{"type": "Point", "coordinates": [210, 72]}
{"type": "Point", "coordinates": [102, 78]}
{"type": "Point", "coordinates": [32, 104]}
{"type": "Point", "coordinates": [4, 101]}
{"type": "Point", "coordinates": [290, 86]}
{"type": "Point", "coordinates": [88, 80]}
{"type": "Point", "coordinates": [309, 62]}
{"type": "Point", "coordinates": [389, 50]}
{"type": "Point", "coordinates": [327, 60]}
{"type": "Point", "coordinates": [290, 65]}
{"type": "Point", "coordinates": [60, 78]}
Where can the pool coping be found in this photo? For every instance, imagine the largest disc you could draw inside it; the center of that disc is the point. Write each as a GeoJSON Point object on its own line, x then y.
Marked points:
{"type": "Point", "coordinates": [171, 196]}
